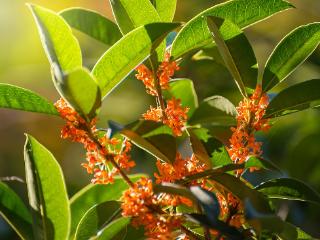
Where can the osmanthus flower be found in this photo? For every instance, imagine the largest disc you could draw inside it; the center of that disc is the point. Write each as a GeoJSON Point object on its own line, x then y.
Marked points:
{"type": "Point", "coordinates": [140, 203]}
{"type": "Point", "coordinates": [175, 116]}
{"type": "Point", "coordinates": [251, 111]}
{"type": "Point", "coordinates": [98, 148]}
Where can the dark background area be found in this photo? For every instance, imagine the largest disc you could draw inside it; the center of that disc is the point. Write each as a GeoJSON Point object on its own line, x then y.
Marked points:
{"type": "Point", "coordinates": [293, 143]}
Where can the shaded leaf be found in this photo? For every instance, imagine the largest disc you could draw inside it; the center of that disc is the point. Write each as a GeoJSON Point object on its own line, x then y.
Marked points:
{"type": "Point", "coordinates": [294, 98]}
{"type": "Point", "coordinates": [174, 189]}
{"type": "Point", "coordinates": [289, 188]}
{"type": "Point", "coordinates": [47, 192]}
{"type": "Point", "coordinates": [94, 194]}
{"type": "Point", "coordinates": [199, 149]}
{"type": "Point", "coordinates": [73, 87]}
{"type": "Point", "coordinates": [23, 99]}
{"type": "Point", "coordinates": [261, 163]}
{"type": "Point", "coordinates": [93, 24]}
{"type": "Point", "coordinates": [116, 230]}
{"type": "Point", "coordinates": [119, 60]}
{"type": "Point", "coordinates": [14, 211]}
{"type": "Point", "coordinates": [61, 47]}
{"type": "Point", "coordinates": [215, 110]}
{"type": "Point", "coordinates": [292, 51]}
{"type": "Point", "coordinates": [183, 89]}
{"type": "Point", "coordinates": [195, 33]}
{"type": "Point", "coordinates": [95, 218]}
{"type": "Point", "coordinates": [240, 62]}
{"type": "Point", "coordinates": [161, 146]}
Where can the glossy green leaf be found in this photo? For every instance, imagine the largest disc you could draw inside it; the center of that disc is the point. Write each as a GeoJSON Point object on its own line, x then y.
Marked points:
{"type": "Point", "coordinates": [131, 14]}
{"type": "Point", "coordinates": [129, 52]}
{"type": "Point", "coordinates": [241, 62]}
{"type": "Point", "coordinates": [81, 90]}
{"type": "Point", "coordinates": [183, 89]}
{"type": "Point", "coordinates": [165, 8]}
{"type": "Point", "coordinates": [161, 146]}
{"type": "Point", "coordinates": [294, 98]}
{"type": "Point", "coordinates": [275, 225]}
{"type": "Point", "coordinates": [95, 218]}
{"type": "Point", "coordinates": [94, 194]}
{"type": "Point", "coordinates": [61, 47]}
{"type": "Point", "coordinates": [174, 189]}
{"type": "Point", "coordinates": [199, 149]}
{"type": "Point", "coordinates": [261, 163]}
{"type": "Point", "coordinates": [93, 24]}
{"type": "Point", "coordinates": [22, 99]}
{"type": "Point", "coordinates": [195, 34]}
{"type": "Point", "coordinates": [292, 51]}
{"type": "Point", "coordinates": [116, 230]}
{"type": "Point", "coordinates": [47, 192]}
{"type": "Point", "coordinates": [14, 211]}
{"type": "Point", "coordinates": [242, 190]}
{"type": "Point", "coordinates": [288, 188]}
{"type": "Point", "coordinates": [217, 110]}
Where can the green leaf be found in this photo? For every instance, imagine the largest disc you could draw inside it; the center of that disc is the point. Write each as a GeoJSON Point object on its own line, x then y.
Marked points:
{"type": "Point", "coordinates": [94, 194]}
{"type": "Point", "coordinates": [195, 34]}
{"type": "Point", "coordinates": [240, 61]}
{"type": "Point", "coordinates": [288, 188]}
{"type": "Point", "coordinates": [261, 163]}
{"type": "Point", "coordinates": [174, 189]}
{"type": "Point", "coordinates": [161, 146]}
{"type": "Point", "coordinates": [242, 191]}
{"type": "Point", "coordinates": [292, 51]}
{"type": "Point", "coordinates": [217, 110]}
{"type": "Point", "coordinates": [61, 47]}
{"type": "Point", "coordinates": [22, 99]}
{"type": "Point", "coordinates": [199, 149]}
{"type": "Point", "coordinates": [127, 53]}
{"type": "Point", "coordinates": [130, 15]}
{"type": "Point", "coordinates": [95, 218]}
{"type": "Point", "coordinates": [14, 211]}
{"type": "Point", "coordinates": [165, 8]}
{"type": "Point", "coordinates": [116, 230]}
{"type": "Point", "coordinates": [183, 89]}
{"type": "Point", "coordinates": [47, 192]}
{"type": "Point", "coordinates": [81, 90]}
{"type": "Point", "coordinates": [275, 225]}
{"type": "Point", "coordinates": [93, 24]}
{"type": "Point", "coordinates": [294, 98]}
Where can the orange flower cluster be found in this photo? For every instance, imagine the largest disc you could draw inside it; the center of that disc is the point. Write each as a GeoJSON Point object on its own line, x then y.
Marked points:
{"type": "Point", "coordinates": [175, 116]}
{"type": "Point", "coordinates": [179, 169]}
{"type": "Point", "coordinates": [164, 73]}
{"type": "Point", "coordinates": [250, 119]}
{"type": "Point", "coordinates": [140, 203]}
{"type": "Point", "coordinates": [98, 149]}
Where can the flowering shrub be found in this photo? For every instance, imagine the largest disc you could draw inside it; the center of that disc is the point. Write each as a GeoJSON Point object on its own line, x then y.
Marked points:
{"type": "Point", "coordinates": [199, 190]}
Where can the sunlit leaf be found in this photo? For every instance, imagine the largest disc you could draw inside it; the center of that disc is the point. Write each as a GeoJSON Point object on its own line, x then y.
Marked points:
{"type": "Point", "coordinates": [93, 194]}
{"type": "Point", "coordinates": [127, 53]}
{"type": "Point", "coordinates": [47, 192]}
{"type": "Point", "coordinates": [61, 47]}
{"type": "Point", "coordinates": [183, 89]}
{"type": "Point", "coordinates": [22, 99]}
{"type": "Point", "coordinates": [165, 8]}
{"type": "Point", "coordinates": [292, 51]}
{"type": "Point", "coordinates": [195, 34]}
{"type": "Point", "coordinates": [13, 210]}
{"type": "Point", "coordinates": [95, 218]}
{"type": "Point", "coordinates": [261, 163]}
{"type": "Point", "coordinates": [199, 149]}
{"type": "Point", "coordinates": [241, 61]}
{"type": "Point", "coordinates": [93, 24]}
{"type": "Point", "coordinates": [294, 98]}
{"type": "Point", "coordinates": [289, 188]}
{"type": "Point", "coordinates": [73, 87]}
{"type": "Point", "coordinates": [116, 230]}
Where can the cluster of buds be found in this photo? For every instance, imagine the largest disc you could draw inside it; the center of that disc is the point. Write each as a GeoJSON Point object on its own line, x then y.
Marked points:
{"type": "Point", "coordinates": [140, 203]}
{"type": "Point", "coordinates": [174, 114]}
{"type": "Point", "coordinates": [99, 149]}
{"type": "Point", "coordinates": [243, 143]}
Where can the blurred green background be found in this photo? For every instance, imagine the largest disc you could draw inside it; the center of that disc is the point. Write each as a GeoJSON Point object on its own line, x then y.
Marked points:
{"type": "Point", "coordinates": [293, 143]}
